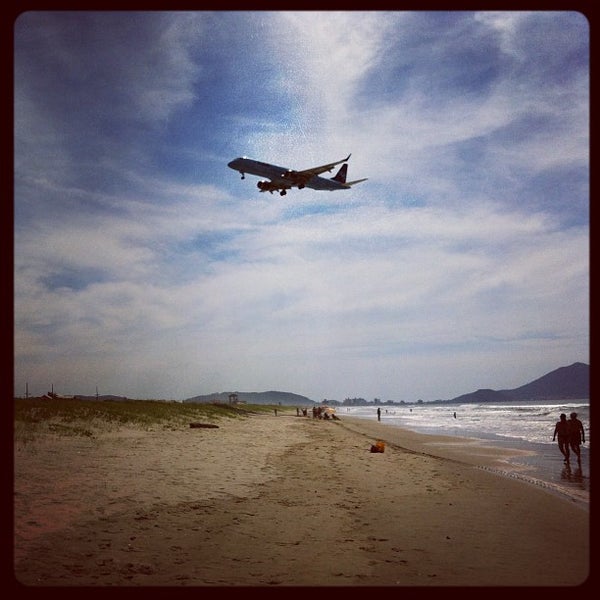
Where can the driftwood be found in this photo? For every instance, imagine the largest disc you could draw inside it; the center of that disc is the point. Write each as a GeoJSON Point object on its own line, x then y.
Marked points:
{"type": "Point", "coordinates": [203, 425]}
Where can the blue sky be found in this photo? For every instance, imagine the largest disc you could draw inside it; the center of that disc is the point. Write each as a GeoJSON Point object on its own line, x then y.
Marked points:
{"type": "Point", "coordinates": [144, 266]}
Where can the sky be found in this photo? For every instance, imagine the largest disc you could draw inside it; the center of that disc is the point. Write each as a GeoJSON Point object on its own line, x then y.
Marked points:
{"type": "Point", "coordinates": [145, 267]}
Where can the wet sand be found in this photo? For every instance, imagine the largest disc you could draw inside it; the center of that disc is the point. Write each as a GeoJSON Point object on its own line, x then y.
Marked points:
{"type": "Point", "coordinates": [287, 501]}
{"type": "Point", "coordinates": [538, 464]}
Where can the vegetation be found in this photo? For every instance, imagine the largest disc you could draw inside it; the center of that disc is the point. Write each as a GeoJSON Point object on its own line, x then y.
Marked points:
{"type": "Point", "coordinates": [88, 417]}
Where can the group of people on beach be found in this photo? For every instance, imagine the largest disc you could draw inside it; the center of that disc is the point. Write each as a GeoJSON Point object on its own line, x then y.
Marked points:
{"type": "Point", "coordinates": [570, 435]}
{"type": "Point", "coordinates": [318, 412]}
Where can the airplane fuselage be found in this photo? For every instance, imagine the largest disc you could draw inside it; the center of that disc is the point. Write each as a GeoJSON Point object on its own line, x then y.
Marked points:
{"type": "Point", "coordinates": [283, 178]}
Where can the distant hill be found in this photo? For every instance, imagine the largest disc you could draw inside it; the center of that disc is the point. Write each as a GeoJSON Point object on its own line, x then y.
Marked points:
{"type": "Point", "coordinates": [566, 383]}
{"type": "Point", "coordinates": [282, 398]}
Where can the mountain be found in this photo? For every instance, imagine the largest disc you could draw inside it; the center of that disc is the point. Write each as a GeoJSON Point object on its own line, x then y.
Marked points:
{"type": "Point", "coordinates": [283, 398]}
{"type": "Point", "coordinates": [565, 383]}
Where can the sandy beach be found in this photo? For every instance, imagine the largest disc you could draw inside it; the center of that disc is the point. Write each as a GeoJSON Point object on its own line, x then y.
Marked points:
{"type": "Point", "coordinates": [286, 501]}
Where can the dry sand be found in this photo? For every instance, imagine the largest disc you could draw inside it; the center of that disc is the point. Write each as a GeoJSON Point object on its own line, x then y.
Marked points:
{"type": "Point", "coordinates": [286, 501]}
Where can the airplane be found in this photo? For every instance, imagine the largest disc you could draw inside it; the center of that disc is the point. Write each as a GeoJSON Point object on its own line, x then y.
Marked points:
{"type": "Point", "coordinates": [282, 179]}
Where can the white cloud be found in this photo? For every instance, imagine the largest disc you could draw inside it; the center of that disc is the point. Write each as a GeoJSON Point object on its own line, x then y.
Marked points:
{"type": "Point", "coordinates": [402, 279]}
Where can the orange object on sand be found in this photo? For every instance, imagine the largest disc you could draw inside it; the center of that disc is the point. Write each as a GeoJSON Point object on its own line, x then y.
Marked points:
{"type": "Point", "coordinates": [378, 446]}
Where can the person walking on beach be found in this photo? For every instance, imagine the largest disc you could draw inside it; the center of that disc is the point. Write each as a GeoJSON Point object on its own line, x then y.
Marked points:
{"type": "Point", "coordinates": [562, 430]}
{"type": "Point", "coordinates": [576, 435]}
{"type": "Point", "coordinates": [378, 414]}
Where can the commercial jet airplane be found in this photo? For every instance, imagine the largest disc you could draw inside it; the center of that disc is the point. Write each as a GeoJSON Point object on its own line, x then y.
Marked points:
{"type": "Point", "coordinates": [282, 179]}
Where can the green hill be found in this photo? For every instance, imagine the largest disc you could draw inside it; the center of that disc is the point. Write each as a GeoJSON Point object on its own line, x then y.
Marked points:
{"type": "Point", "coordinates": [272, 397]}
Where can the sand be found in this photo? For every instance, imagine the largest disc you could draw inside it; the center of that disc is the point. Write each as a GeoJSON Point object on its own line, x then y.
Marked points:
{"type": "Point", "coordinates": [286, 501]}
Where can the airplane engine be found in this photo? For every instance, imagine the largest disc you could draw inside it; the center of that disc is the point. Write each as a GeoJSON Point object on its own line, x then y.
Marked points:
{"type": "Point", "coordinates": [263, 186]}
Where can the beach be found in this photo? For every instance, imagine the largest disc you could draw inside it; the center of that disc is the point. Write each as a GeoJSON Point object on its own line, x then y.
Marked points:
{"type": "Point", "coordinates": [287, 501]}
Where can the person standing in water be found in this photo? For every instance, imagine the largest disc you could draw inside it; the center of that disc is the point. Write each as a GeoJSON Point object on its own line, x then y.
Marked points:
{"type": "Point", "coordinates": [576, 435]}
{"type": "Point", "coordinates": [562, 430]}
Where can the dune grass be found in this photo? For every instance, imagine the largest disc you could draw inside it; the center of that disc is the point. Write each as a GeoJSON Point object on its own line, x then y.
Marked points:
{"type": "Point", "coordinates": [86, 418]}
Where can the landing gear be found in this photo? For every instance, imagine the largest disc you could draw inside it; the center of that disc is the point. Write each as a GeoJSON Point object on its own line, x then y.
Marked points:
{"type": "Point", "coordinates": [243, 175]}
{"type": "Point", "coordinates": [282, 193]}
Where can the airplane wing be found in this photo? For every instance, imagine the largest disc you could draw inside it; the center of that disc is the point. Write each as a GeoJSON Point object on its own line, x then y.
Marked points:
{"type": "Point", "coordinates": [323, 168]}
{"type": "Point", "coordinates": [301, 177]}
{"type": "Point", "coordinates": [350, 183]}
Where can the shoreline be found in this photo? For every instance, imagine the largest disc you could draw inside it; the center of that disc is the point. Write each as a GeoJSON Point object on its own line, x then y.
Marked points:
{"type": "Point", "coordinates": [285, 501]}
{"type": "Point", "coordinates": [536, 464]}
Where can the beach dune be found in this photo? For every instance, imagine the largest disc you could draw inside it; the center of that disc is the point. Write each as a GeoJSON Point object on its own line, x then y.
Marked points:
{"type": "Point", "coordinates": [286, 501]}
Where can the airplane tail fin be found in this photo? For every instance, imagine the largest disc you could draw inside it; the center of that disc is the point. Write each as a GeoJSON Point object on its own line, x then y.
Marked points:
{"type": "Point", "coordinates": [341, 174]}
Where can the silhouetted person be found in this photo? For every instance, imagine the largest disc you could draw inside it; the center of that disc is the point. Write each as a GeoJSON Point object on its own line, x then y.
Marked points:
{"type": "Point", "coordinates": [379, 414]}
{"type": "Point", "coordinates": [562, 430]}
{"type": "Point", "coordinates": [576, 435]}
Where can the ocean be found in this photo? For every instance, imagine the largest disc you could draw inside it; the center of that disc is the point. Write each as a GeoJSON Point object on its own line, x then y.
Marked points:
{"type": "Point", "coordinates": [526, 425]}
